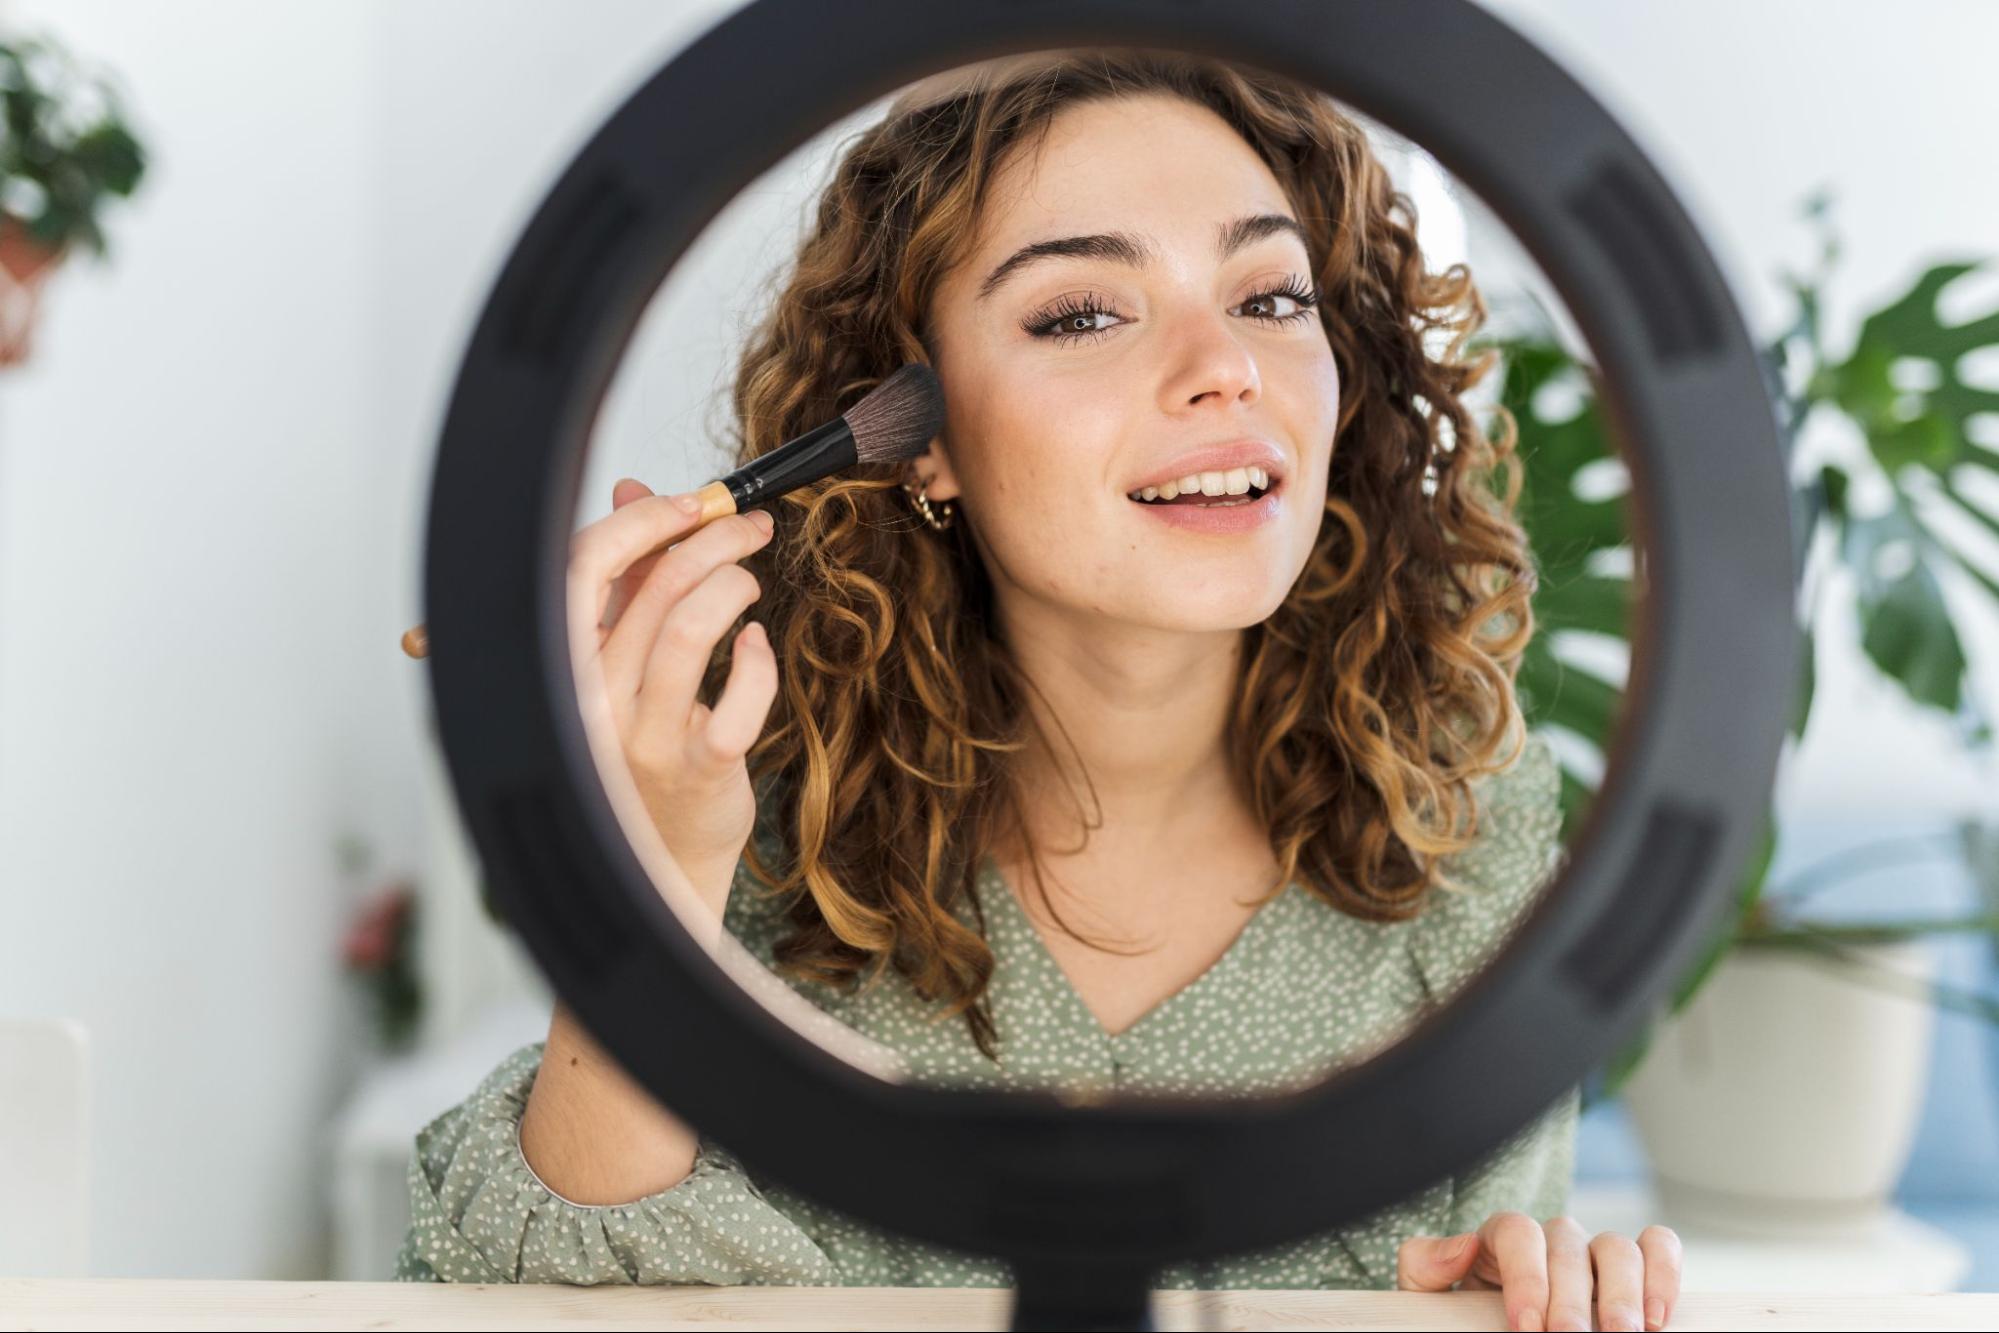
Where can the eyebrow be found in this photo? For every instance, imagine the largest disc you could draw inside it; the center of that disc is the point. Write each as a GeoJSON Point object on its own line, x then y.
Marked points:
{"type": "Point", "coordinates": [1137, 251]}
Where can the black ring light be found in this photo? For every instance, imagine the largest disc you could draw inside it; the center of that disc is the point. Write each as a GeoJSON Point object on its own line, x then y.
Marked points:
{"type": "Point", "coordinates": [1086, 1203]}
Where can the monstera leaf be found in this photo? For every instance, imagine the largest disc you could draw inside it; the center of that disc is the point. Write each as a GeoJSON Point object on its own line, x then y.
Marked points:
{"type": "Point", "coordinates": [1576, 535]}
{"type": "Point", "coordinates": [1903, 382]}
{"type": "Point", "coordinates": [1903, 385]}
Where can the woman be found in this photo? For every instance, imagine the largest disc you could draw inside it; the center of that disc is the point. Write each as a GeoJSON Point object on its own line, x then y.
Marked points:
{"type": "Point", "coordinates": [1047, 775]}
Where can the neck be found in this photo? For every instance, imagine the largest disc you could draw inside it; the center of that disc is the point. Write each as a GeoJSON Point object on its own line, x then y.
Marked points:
{"type": "Point", "coordinates": [1140, 717]}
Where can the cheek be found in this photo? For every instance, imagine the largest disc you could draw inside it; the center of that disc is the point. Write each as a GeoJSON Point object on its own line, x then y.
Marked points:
{"type": "Point", "coordinates": [1318, 380]}
{"type": "Point", "coordinates": [1042, 514]}
{"type": "Point", "coordinates": [1040, 454]}
{"type": "Point", "coordinates": [1314, 415]}
{"type": "Point", "coordinates": [1047, 529]}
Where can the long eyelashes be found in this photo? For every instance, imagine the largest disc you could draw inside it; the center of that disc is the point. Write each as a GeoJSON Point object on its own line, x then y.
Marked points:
{"type": "Point", "coordinates": [1070, 307]}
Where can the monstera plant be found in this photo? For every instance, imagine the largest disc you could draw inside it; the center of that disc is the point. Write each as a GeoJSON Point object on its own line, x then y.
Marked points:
{"type": "Point", "coordinates": [1901, 386]}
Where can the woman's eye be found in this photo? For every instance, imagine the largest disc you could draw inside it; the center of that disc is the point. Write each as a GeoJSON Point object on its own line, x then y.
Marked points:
{"type": "Point", "coordinates": [1068, 321]}
{"type": "Point", "coordinates": [1306, 299]}
{"type": "Point", "coordinates": [1271, 298]}
{"type": "Point", "coordinates": [1079, 324]}
{"type": "Point", "coordinates": [1071, 319]}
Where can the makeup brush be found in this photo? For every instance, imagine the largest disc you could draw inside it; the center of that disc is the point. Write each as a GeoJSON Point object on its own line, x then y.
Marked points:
{"type": "Point", "coordinates": [895, 422]}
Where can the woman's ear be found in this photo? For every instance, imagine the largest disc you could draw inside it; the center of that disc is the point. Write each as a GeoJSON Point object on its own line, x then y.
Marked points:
{"type": "Point", "coordinates": [935, 464]}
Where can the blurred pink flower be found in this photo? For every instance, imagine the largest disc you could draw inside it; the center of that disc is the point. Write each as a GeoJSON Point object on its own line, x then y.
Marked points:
{"type": "Point", "coordinates": [372, 939]}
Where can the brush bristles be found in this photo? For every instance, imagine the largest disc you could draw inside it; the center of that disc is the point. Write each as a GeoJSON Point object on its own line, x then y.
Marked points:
{"type": "Point", "coordinates": [900, 418]}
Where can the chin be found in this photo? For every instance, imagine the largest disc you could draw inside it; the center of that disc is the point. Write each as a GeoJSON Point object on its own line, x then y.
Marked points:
{"type": "Point", "coordinates": [1216, 609]}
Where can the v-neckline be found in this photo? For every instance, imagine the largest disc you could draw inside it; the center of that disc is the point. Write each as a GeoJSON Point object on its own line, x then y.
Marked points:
{"type": "Point", "coordinates": [1048, 960]}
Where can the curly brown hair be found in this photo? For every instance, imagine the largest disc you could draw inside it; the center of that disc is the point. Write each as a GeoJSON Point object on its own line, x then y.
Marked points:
{"type": "Point", "coordinates": [1367, 703]}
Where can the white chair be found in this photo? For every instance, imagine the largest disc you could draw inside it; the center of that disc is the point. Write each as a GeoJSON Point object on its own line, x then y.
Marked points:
{"type": "Point", "coordinates": [44, 1148]}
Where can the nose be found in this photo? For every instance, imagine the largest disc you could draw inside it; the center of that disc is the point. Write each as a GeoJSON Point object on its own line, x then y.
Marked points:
{"type": "Point", "coordinates": [1210, 362]}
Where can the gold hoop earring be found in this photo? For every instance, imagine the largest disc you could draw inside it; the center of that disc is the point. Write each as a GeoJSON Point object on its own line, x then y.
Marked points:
{"type": "Point", "coordinates": [931, 513]}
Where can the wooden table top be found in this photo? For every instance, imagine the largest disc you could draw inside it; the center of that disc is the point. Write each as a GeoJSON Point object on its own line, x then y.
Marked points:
{"type": "Point", "coordinates": [144, 1303]}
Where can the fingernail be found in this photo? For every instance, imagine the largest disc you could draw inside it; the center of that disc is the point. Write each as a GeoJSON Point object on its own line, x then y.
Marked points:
{"type": "Point", "coordinates": [1655, 1313]}
{"type": "Point", "coordinates": [689, 501]}
{"type": "Point", "coordinates": [1530, 1321]}
{"type": "Point", "coordinates": [762, 518]}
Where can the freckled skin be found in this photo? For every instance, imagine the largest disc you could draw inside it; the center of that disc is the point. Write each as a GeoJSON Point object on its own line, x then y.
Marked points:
{"type": "Point", "coordinates": [1043, 436]}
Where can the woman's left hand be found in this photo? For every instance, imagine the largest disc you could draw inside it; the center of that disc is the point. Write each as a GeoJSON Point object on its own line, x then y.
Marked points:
{"type": "Point", "coordinates": [1550, 1273]}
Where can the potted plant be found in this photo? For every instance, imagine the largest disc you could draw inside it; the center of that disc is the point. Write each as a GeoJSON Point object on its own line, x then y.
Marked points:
{"type": "Point", "coordinates": [1735, 1142]}
{"type": "Point", "coordinates": [378, 948]}
{"type": "Point", "coordinates": [65, 149]}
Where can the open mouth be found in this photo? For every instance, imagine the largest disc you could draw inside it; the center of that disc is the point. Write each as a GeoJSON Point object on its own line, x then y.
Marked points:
{"type": "Point", "coordinates": [1172, 493]}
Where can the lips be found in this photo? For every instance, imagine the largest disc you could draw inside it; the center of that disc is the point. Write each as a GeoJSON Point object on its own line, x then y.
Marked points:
{"type": "Point", "coordinates": [1243, 452]}
{"type": "Point", "coordinates": [1254, 494]}
{"type": "Point", "coordinates": [1217, 520]}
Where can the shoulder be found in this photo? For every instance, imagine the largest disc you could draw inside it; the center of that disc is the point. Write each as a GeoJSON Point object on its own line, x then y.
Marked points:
{"type": "Point", "coordinates": [1490, 886]}
{"type": "Point", "coordinates": [499, 1099]}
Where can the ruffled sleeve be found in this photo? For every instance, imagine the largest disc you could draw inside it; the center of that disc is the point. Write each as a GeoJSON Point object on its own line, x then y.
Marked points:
{"type": "Point", "coordinates": [478, 1212]}
{"type": "Point", "coordinates": [1503, 875]}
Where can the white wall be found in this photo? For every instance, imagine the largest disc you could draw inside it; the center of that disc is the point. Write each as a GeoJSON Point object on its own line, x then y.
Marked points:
{"type": "Point", "coordinates": [213, 477]}
{"type": "Point", "coordinates": [185, 496]}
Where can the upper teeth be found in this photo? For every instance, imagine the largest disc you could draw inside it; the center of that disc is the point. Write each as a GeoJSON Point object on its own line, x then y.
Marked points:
{"type": "Point", "coordinates": [1235, 481]}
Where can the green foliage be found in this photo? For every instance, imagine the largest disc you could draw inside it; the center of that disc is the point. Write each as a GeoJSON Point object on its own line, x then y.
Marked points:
{"type": "Point", "coordinates": [1901, 388]}
{"type": "Point", "coordinates": [65, 147]}
{"type": "Point", "coordinates": [1570, 533]}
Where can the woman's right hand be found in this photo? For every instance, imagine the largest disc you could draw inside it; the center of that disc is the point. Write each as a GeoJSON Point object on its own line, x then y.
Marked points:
{"type": "Point", "coordinates": [644, 622]}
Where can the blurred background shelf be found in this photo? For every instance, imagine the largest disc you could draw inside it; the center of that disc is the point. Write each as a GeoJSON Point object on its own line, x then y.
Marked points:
{"type": "Point", "coordinates": [1901, 1254]}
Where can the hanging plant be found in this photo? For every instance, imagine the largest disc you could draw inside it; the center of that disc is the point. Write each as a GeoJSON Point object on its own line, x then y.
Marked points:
{"type": "Point", "coordinates": [65, 149]}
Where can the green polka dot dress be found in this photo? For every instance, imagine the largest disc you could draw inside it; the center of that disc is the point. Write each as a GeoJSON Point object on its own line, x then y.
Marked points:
{"type": "Point", "coordinates": [1303, 990]}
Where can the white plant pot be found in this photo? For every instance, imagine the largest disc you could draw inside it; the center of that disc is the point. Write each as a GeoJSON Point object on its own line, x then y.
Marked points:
{"type": "Point", "coordinates": [1782, 1101]}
